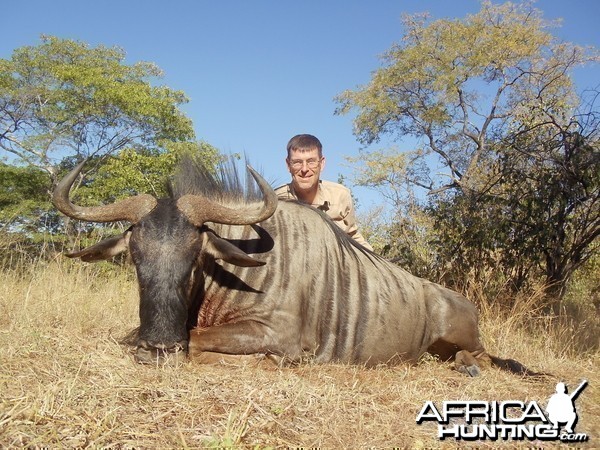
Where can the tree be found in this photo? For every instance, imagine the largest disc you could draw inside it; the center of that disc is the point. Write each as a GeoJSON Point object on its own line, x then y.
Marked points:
{"type": "Point", "coordinates": [551, 186]}
{"type": "Point", "coordinates": [490, 100]}
{"type": "Point", "coordinates": [457, 84]}
{"type": "Point", "coordinates": [539, 214]}
{"type": "Point", "coordinates": [64, 98]}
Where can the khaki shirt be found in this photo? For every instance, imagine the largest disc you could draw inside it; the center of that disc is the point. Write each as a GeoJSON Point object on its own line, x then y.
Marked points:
{"type": "Point", "coordinates": [334, 200]}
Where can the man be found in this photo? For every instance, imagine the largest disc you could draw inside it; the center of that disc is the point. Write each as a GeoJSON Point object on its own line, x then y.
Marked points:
{"type": "Point", "coordinates": [305, 161]}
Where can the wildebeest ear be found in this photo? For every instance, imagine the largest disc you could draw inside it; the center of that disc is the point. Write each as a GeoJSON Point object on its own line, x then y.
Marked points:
{"type": "Point", "coordinates": [105, 249]}
{"type": "Point", "coordinates": [219, 248]}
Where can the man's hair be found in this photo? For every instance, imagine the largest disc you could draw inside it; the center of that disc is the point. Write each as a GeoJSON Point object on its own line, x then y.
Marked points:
{"type": "Point", "coordinates": [304, 142]}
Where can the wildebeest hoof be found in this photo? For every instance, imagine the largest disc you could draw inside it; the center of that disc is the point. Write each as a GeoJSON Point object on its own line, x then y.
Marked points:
{"type": "Point", "coordinates": [466, 363]}
{"type": "Point", "coordinates": [472, 371]}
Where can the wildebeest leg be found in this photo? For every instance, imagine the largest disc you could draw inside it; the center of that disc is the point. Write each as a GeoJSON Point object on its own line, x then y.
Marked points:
{"type": "Point", "coordinates": [465, 361]}
{"type": "Point", "coordinates": [455, 321]}
{"type": "Point", "coordinates": [240, 338]}
{"type": "Point", "coordinates": [257, 359]}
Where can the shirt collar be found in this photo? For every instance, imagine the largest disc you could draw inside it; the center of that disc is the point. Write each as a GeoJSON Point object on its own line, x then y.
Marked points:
{"type": "Point", "coordinates": [319, 202]}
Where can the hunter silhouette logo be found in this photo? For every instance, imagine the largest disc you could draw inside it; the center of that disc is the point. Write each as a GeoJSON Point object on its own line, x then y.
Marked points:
{"type": "Point", "coordinates": [511, 419]}
{"type": "Point", "coordinates": [561, 406]}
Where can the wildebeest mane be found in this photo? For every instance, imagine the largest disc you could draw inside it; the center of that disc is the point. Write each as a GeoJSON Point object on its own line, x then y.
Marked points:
{"type": "Point", "coordinates": [340, 235]}
{"type": "Point", "coordinates": [222, 184]}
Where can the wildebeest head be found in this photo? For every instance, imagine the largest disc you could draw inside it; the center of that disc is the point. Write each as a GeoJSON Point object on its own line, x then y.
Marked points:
{"type": "Point", "coordinates": [167, 241]}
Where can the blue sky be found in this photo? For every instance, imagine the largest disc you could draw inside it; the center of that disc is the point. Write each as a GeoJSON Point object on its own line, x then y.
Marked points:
{"type": "Point", "coordinates": [259, 72]}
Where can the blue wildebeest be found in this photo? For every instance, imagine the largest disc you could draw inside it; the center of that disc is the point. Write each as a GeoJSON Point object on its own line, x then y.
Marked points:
{"type": "Point", "coordinates": [226, 275]}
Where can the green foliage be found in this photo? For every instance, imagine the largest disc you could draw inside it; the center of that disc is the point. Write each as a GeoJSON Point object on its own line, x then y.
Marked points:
{"type": "Point", "coordinates": [23, 194]}
{"type": "Point", "coordinates": [63, 97]}
{"type": "Point", "coordinates": [134, 172]}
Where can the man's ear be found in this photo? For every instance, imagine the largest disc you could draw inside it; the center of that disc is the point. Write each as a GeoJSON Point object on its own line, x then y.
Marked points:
{"type": "Point", "coordinates": [103, 250]}
{"type": "Point", "coordinates": [219, 248]}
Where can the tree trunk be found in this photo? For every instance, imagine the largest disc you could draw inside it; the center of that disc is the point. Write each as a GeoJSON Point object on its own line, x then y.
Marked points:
{"type": "Point", "coordinates": [558, 275]}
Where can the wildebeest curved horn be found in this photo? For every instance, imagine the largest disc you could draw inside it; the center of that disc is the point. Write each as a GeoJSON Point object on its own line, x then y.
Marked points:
{"type": "Point", "coordinates": [131, 209]}
{"type": "Point", "coordinates": [199, 209]}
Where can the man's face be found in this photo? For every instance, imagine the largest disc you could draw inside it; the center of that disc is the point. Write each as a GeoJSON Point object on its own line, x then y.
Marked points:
{"type": "Point", "coordinates": [305, 167]}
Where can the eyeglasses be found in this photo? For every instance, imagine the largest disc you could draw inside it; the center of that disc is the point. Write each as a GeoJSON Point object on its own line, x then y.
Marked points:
{"type": "Point", "coordinates": [297, 164]}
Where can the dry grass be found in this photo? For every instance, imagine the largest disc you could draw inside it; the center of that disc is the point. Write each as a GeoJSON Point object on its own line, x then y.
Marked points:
{"type": "Point", "coordinates": [65, 381]}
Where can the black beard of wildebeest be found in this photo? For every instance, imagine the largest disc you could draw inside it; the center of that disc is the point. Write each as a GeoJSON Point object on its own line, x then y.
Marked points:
{"type": "Point", "coordinates": [234, 271]}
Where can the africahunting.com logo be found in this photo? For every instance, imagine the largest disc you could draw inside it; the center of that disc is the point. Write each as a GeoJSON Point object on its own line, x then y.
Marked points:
{"type": "Point", "coordinates": [515, 420]}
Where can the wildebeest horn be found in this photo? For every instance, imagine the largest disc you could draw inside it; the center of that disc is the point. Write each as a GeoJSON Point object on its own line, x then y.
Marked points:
{"type": "Point", "coordinates": [200, 209]}
{"type": "Point", "coordinates": [131, 209]}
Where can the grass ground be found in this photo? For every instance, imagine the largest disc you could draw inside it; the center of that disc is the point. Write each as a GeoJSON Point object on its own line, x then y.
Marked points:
{"type": "Point", "coordinates": [66, 382]}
